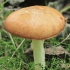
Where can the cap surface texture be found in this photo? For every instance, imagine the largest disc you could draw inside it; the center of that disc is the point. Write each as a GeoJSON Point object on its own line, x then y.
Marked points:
{"type": "Point", "coordinates": [35, 22]}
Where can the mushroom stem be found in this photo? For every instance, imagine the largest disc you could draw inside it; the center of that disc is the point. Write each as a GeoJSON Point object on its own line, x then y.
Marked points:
{"type": "Point", "coordinates": [39, 54]}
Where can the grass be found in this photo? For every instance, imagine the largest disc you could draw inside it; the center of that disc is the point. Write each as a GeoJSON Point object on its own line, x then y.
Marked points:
{"type": "Point", "coordinates": [12, 49]}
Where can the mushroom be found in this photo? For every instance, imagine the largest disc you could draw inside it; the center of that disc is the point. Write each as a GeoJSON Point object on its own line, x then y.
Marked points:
{"type": "Point", "coordinates": [37, 23]}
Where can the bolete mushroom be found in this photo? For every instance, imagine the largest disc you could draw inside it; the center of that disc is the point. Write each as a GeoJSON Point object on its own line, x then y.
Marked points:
{"type": "Point", "coordinates": [37, 23]}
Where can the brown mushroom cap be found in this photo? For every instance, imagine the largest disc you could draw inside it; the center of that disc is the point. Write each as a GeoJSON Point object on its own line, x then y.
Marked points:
{"type": "Point", "coordinates": [35, 22]}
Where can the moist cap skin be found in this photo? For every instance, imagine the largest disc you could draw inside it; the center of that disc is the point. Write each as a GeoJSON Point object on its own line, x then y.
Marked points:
{"type": "Point", "coordinates": [35, 22]}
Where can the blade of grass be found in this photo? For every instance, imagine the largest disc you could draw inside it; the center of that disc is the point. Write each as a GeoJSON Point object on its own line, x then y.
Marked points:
{"type": "Point", "coordinates": [65, 9]}
{"type": "Point", "coordinates": [10, 37]}
{"type": "Point", "coordinates": [17, 48]}
{"type": "Point", "coordinates": [63, 40]}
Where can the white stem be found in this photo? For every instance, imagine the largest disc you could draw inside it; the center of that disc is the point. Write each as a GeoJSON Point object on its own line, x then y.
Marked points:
{"type": "Point", "coordinates": [39, 54]}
